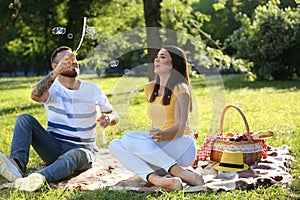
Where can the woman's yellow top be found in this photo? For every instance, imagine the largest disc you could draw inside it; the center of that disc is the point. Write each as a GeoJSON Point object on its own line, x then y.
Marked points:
{"type": "Point", "coordinates": [162, 116]}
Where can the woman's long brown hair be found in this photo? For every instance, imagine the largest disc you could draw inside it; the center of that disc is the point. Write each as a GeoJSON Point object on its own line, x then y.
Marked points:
{"type": "Point", "coordinates": [179, 74]}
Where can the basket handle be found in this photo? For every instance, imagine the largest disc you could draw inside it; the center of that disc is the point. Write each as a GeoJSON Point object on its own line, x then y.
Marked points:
{"type": "Point", "coordinates": [242, 115]}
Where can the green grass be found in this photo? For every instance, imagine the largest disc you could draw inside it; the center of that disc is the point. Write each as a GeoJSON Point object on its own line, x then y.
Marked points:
{"type": "Point", "coordinates": [267, 105]}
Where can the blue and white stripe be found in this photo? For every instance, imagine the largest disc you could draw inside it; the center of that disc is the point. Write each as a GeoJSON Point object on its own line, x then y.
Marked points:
{"type": "Point", "coordinates": [72, 114]}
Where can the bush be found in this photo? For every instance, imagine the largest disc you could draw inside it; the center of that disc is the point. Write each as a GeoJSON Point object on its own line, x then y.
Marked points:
{"type": "Point", "coordinates": [269, 39]}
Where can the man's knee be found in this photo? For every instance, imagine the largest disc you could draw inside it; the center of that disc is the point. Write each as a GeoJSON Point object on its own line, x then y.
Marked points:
{"type": "Point", "coordinates": [25, 118]}
{"type": "Point", "coordinates": [82, 158]}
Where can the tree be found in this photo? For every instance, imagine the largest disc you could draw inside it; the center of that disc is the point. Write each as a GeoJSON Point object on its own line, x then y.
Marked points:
{"type": "Point", "coordinates": [152, 19]}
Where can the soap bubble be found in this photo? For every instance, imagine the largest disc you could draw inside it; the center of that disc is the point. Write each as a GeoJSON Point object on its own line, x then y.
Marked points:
{"type": "Point", "coordinates": [128, 90]}
{"type": "Point", "coordinates": [114, 63]}
{"type": "Point", "coordinates": [91, 32]}
{"type": "Point", "coordinates": [126, 71]}
{"type": "Point", "coordinates": [70, 36]}
{"type": "Point", "coordinates": [58, 30]}
{"type": "Point", "coordinates": [98, 47]}
{"type": "Point", "coordinates": [103, 42]}
{"type": "Point", "coordinates": [11, 6]}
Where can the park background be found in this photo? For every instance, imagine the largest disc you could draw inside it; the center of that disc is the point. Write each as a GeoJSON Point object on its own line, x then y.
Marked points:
{"type": "Point", "coordinates": [257, 41]}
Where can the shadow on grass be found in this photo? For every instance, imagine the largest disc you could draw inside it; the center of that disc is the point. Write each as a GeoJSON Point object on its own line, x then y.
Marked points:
{"type": "Point", "coordinates": [18, 109]}
{"type": "Point", "coordinates": [15, 87]}
{"type": "Point", "coordinates": [241, 82]}
{"type": "Point", "coordinates": [19, 80]}
{"type": "Point", "coordinates": [232, 82]}
{"type": "Point", "coordinates": [16, 83]}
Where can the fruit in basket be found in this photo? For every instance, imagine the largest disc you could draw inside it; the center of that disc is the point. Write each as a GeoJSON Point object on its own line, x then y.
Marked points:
{"type": "Point", "coordinates": [239, 138]}
{"type": "Point", "coordinates": [229, 134]}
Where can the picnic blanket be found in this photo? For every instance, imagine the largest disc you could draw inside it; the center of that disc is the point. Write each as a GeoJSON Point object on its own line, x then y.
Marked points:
{"type": "Point", "coordinates": [108, 172]}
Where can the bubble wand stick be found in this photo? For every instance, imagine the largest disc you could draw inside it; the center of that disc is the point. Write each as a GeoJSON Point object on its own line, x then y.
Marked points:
{"type": "Point", "coordinates": [102, 132]}
{"type": "Point", "coordinates": [104, 141]}
{"type": "Point", "coordinates": [82, 35]}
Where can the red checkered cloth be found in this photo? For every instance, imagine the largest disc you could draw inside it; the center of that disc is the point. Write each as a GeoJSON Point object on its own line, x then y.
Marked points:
{"type": "Point", "coordinates": [205, 150]}
{"type": "Point", "coordinates": [264, 149]}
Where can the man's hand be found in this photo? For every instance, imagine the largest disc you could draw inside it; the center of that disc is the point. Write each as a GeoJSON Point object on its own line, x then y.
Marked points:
{"type": "Point", "coordinates": [104, 120]}
{"type": "Point", "coordinates": [65, 63]}
{"type": "Point", "coordinates": [40, 91]}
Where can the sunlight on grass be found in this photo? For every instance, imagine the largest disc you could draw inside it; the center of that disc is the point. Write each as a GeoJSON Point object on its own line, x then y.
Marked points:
{"type": "Point", "coordinates": [266, 105]}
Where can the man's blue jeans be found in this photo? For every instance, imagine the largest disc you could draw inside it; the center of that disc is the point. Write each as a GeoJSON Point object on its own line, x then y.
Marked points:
{"type": "Point", "coordinates": [62, 158]}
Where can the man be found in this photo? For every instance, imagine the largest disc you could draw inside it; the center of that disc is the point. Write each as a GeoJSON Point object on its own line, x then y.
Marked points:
{"type": "Point", "coordinates": [68, 143]}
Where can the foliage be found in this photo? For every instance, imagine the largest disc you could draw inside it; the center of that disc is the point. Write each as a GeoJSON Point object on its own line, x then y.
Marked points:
{"type": "Point", "coordinates": [28, 42]}
{"type": "Point", "coordinates": [270, 39]}
{"type": "Point", "coordinates": [115, 37]}
{"type": "Point", "coordinates": [119, 25]}
{"type": "Point", "coordinates": [222, 13]}
{"type": "Point", "coordinates": [31, 30]}
{"type": "Point", "coordinates": [180, 26]}
{"type": "Point", "coordinates": [202, 49]}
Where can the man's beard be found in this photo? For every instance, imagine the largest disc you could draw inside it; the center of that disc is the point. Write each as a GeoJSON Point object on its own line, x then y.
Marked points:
{"type": "Point", "coordinates": [70, 74]}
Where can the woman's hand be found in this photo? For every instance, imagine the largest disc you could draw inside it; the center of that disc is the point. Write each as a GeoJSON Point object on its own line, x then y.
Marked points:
{"type": "Point", "coordinates": [156, 134]}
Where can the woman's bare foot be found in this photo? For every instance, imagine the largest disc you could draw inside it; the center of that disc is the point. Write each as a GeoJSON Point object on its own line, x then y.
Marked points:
{"type": "Point", "coordinates": [167, 182]}
{"type": "Point", "coordinates": [191, 177]}
{"type": "Point", "coordinates": [198, 179]}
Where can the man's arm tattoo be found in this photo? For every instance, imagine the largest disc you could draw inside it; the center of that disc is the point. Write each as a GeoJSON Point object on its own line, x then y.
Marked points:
{"type": "Point", "coordinates": [43, 85]}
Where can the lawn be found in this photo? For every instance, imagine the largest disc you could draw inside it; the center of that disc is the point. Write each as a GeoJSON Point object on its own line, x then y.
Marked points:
{"type": "Point", "coordinates": [271, 105]}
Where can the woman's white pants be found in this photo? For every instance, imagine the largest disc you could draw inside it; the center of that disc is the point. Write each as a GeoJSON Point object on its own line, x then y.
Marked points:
{"type": "Point", "coordinates": [139, 153]}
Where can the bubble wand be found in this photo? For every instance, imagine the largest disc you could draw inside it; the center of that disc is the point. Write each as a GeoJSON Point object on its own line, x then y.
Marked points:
{"type": "Point", "coordinates": [104, 140]}
{"type": "Point", "coordinates": [82, 35]}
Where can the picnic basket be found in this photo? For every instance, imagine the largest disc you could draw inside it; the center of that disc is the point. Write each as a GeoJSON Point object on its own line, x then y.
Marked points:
{"type": "Point", "coordinates": [251, 149]}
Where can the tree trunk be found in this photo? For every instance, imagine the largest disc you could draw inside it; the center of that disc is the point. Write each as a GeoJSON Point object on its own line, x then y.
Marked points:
{"type": "Point", "coordinates": [152, 19]}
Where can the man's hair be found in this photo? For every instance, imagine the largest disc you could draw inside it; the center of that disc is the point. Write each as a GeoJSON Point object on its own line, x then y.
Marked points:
{"type": "Point", "coordinates": [58, 50]}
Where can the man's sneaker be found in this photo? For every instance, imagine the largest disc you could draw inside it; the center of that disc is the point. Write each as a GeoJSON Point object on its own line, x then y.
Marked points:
{"type": "Point", "coordinates": [9, 168]}
{"type": "Point", "coordinates": [30, 183]}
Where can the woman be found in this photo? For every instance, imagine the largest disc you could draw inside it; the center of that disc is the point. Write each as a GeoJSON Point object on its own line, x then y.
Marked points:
{"type": "Point", "coordinates": [170, 144]}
